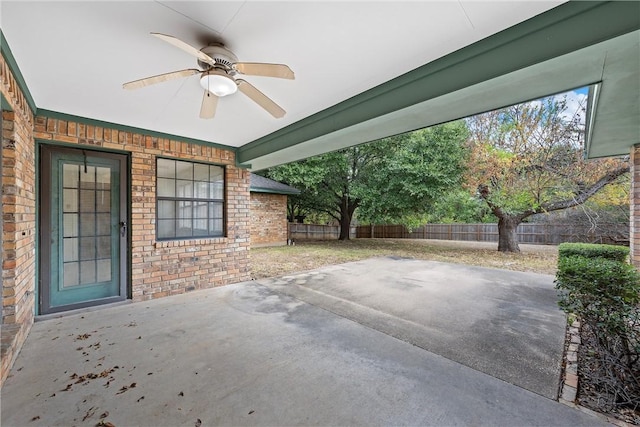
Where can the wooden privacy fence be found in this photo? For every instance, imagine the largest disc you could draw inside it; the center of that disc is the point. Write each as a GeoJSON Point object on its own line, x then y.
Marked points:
{"type": "Point", "coordinates": [316, 232]}
{"type": "Point", "coordinates": [540, 234]}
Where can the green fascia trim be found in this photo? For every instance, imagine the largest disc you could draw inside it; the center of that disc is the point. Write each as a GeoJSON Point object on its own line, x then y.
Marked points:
{"type": "Point", "coordinates": [559, 31]}
{"type": "Point", "coordinates": [15, 70]}
{"type": "Point", "coordinates": [94, 122]}
{"type": "Point", "coordinates": [270, 191]}
{"type": "Point", "coordinates": [4, 104]}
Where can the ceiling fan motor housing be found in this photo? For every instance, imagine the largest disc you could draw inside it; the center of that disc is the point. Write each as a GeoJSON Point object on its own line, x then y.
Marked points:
{"type": "Point", "coordinates": [223, 57]}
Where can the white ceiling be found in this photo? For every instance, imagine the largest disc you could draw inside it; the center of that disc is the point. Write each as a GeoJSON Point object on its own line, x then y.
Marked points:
{"type": "Point", "coordinates": [74, 56]}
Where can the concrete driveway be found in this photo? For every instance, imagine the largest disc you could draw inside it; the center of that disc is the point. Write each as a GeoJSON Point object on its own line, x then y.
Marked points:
{"type": "Point", "coordinates": [247, 354]}
{"type": "Point", "coordinates": [504, 323]}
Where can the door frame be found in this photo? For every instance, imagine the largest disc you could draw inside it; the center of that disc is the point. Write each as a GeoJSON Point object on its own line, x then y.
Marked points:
{"type": "Point", "coordinates": [44, 263]}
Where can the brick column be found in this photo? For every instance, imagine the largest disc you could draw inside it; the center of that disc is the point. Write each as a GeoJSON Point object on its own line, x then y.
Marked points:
{"type": "Point", "coordinates": [634, 235]}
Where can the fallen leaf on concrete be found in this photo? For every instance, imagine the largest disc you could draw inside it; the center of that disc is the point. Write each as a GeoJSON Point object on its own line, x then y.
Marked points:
{"type": "Point", "coordinates": [104, 423]}
{"type": "Point", "coordinates": [82, 337]}
{"type": "Point", "coordinates": [104, 415]}
{"type": "Point", "coordinates": [89, 413]}
{"type": "Point", "coordinates": [67, 388]}
{"type": "Point", "coordinates": [126, 387]}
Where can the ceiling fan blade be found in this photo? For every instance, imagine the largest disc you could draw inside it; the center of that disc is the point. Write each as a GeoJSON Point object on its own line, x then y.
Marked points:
{"type": "Point", "coordinates": [209, 104]}
{"type": "Point", "coordinates": [280, 71]}
{"type": "Point", "coordinates": [137, 84]}
{"type": "Point", "coordinates": [261, 99]}
{"type": "Point", "coordinates": [186, 47]}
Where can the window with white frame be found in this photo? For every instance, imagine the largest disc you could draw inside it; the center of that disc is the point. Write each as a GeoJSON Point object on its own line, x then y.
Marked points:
{"type": "Point", "coordinates": [189, 200]}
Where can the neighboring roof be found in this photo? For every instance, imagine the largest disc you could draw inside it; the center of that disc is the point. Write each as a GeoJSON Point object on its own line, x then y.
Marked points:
{"type": "Point", "coordinates": [260, 184]}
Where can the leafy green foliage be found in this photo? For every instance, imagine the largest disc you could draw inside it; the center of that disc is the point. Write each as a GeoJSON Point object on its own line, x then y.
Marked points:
{"type": "Point", "coordinates": [610, 252]}
{"type": "Point", "coordinates": [395, 179]}
{"type": "Point", "coordinates": [458, 206]}
{"type": "Point", "coordinates": [419, 168]}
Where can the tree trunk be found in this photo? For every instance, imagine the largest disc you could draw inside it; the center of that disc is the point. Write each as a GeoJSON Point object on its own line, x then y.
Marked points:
{"type": "Point", "coordinates": [345, 225]}
{"type": "Point", "coordinates": [507, 236]}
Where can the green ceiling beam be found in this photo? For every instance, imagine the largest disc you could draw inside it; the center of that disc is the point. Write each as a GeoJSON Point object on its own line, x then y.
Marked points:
{"type": "Point", "coordinates": [559, 31]}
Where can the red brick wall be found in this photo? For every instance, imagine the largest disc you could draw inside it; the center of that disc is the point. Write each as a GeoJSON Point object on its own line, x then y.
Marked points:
{"type": "Point", "coordinates": [268, 219]}
{"type": "Point", "coordinates": [162, 268]}
{"type": "Point", "coordinates": [635, 206]}
{"type": "Point", "coordinates": [158, 269]}
{"type": "Point", "coordinates": [18, 220]}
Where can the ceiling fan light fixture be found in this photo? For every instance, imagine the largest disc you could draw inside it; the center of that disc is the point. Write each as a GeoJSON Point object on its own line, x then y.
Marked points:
{"type": "Point", "coordinates": [218, 83]}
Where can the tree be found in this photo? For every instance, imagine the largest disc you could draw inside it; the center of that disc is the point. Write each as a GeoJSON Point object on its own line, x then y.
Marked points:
{"type": "Point", "coordinates": [421, 167]}
{"type": "Point", "coordinates": [527, 159]}
{"type": "Point", "coordinates": [388, 180]}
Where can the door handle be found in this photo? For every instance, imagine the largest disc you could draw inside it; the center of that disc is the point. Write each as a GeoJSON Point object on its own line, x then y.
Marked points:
{"type": "Point", "coordinates": [123, 228]}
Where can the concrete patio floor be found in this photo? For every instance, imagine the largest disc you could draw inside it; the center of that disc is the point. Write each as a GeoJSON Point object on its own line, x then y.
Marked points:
{"type": "Point", "coordinates": [245, 354]}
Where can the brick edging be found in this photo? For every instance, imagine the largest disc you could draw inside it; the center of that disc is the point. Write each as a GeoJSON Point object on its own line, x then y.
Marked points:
{"type": "Point", "coordinates": [570, 379]}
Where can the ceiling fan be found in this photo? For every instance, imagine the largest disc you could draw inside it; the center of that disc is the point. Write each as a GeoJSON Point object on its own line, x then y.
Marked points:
{"type": "Point", "coordinates": [219, 68]}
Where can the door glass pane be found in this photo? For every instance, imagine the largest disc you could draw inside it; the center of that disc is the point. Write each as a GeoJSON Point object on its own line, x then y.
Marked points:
{"type": "Point", "coordinates": [70, 247]}
{"type": "Point", "coordinates": [103, 224]}
{"type": "Point", "coordinates": [70, 225]}
{"type": "Point", "coordinates": [103, 247]}
{"type": "Point", "coordinates": [104, 270]}
{"type": "Point", "coordinates": [103, 178]}
{"type": "Point", "coordinates": [103, 201]}
{"type": "Point", "coordinates": [88, 178]}
{"type": "Point", "coordinates": [87, 224]}
{"type": "Point", "coordinates": [70, 200]}
{"type": "Point", "coordinates": [87, 248]}
{"type": "Point", "coordinates": [87, 272]}
{"type": "Point", "coordinates": [87, 200]}
{"type": "Point", "coordinates": [70, 274]}
{"type": "Point", "coordinates": [70, 175]}
{"type": "Point", "coordinates": [166, 187]}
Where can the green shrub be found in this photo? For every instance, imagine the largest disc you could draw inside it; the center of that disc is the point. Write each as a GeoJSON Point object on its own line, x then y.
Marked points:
{"type": "Point", "coordinates": [615, 253]}
{"type": "Point", "coordinates": [597, 286]}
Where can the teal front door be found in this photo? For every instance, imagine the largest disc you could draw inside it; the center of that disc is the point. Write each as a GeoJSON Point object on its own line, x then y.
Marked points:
{"type": "Point", "coordinates": [84, 236]}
